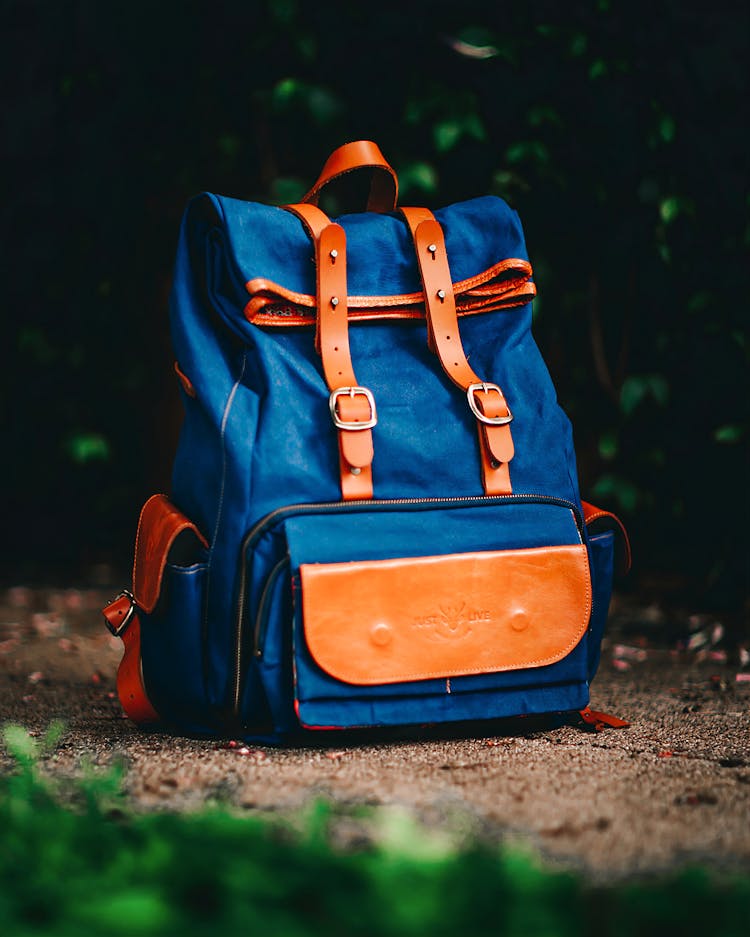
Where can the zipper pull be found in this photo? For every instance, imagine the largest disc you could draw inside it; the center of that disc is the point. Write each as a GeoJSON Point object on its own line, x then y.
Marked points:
{"type": "Point", "coordinates": [597, 722]}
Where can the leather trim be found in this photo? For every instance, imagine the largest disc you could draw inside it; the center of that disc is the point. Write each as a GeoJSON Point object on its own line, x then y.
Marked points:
{"type": "Point", "coordinates": [187, 384]}
{"type": "Point", "coordinates": [596, 519]}
{"type": "Point", "coordinates": [332, 343]}
{"type": "Point", "coordinates": [476, 293]}
{"type": "Point", "coordinates": [418, 618]}
{"type": "Point", "coordinates": [361, 154]}
{"type": "Point", "coordinates": [159, 526]}
{"type": "Point", "coordinates": [130, 686]}
{"type": "Point", "coordinates": [444, 338]}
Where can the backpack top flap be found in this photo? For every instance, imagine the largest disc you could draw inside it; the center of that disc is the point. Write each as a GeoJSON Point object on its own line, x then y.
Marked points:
{"type": "Point", "coordinates": [260, 255]}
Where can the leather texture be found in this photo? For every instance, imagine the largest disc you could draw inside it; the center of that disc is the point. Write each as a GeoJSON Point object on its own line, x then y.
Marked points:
{"type": "Point", "coordinates": [130, 687]}
{"type": "Point", "coordinates": [361, 154]}
{"type": "Point", "coordinates": [332, 343]}
{"type": "Point", "coordinates": [504, 285]}
{"type": "Point", "coordinates": [418, 618]}
{"type": "Point", "coordinates": [444, 338]}
{"type": "Point", "coordinates": [160, 524]}
{"type": "Point", "coordinates": [596, 519]}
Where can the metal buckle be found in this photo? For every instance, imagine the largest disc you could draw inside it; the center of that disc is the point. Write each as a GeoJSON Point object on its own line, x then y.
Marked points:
{"type": "Point", "coordinates": [351, 392]}
{"type": "Point", "coordinates": [120, 629]}
{"type": "Point", "coordinates": [486, 386]}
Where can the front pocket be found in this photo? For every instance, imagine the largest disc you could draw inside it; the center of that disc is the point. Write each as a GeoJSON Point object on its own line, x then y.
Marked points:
{"type": "Point", "coordinates": [418, 618]}
{"type": "Point", "coordinates": [404, 612]}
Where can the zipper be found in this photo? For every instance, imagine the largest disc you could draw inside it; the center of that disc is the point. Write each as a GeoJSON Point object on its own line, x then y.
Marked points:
{"type": "Point", "coordinates": [350, 507]}
{"type": "Point", "coordinates": [261, 619]}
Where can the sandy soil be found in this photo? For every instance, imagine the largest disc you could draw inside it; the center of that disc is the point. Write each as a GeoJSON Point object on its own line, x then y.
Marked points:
{"type": "Point", "coordinates": [671, 789]}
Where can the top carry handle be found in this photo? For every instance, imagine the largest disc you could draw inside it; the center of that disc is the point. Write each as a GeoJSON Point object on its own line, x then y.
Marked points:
{"type": "Point", "coordinates": [362, 154]}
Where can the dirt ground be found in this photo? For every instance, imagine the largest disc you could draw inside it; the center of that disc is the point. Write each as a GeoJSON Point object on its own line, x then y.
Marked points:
{"type": "Point", "coordinates": [671, 789]}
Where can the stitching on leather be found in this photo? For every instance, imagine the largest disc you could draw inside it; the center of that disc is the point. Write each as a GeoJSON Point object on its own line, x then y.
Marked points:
{"type": "Point", "coordinates": [260, 285]}
{"type": "Point", "coordinates": [582, 563]}
{"type": "Point", "coordinates": [272, 319]}
{"type": "Point", "coordinates": [138, 535]}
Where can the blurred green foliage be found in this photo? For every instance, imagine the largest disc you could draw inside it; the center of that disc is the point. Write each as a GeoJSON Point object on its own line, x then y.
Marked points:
{"type": "Point", "coordinates": [75, 860]}
{"type": "Point", "coordinates": [617, 137]}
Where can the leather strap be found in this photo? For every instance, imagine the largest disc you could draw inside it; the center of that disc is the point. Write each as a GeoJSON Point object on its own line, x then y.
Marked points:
{"type": "Point", "coordinates": [485, 399]}
{"type": "Point", "coordinates": [597, 721]}
{"type": "Point", "coordinates": [122, 617]}
{"type": "Point", "coordinates": [160, 527]}
{"type": "Point", "coordinates": [596, 519]}
{"type": "Point", "coordinates": [350, 404]}
{"type": "Point", "coordinates": [362, 154]}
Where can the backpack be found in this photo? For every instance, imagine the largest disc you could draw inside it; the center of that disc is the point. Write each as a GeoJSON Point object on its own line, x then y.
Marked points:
{"type": "Point", "coordinates": [374, 518]}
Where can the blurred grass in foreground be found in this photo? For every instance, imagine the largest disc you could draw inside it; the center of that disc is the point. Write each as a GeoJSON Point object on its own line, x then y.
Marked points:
{"type": "Point", "coordinates": [74, 860]}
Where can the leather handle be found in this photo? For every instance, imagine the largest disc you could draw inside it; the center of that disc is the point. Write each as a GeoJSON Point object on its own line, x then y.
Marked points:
{"type": "Point", "coordinates": [362, 154]}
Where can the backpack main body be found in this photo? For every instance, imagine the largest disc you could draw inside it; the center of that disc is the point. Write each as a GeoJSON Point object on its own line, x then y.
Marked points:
{"type": "Point", "coordinates": [264, 604]}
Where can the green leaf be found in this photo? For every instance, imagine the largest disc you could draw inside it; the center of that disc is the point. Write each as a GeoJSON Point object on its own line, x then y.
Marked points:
{"type": "Point", "coordinates": [87, 447]}
{"type": "Point", "coordinates": [20, 744]}
{"type": "Point", "coordinates": [669, 209]}
{"type": "Point", "coordinates": [729, 434]}
{"type": "Point", "coordinates": [639, 387]}
{"type": "Point", "coordinates": [618, 489]}
{"type": "Point", "coordinates": [286, 190]}
{"type": "Point", "coordinates": [420, 177]}
{"type": "Point", "coordinates": [608, 445]}
{"type": "Point", "coordinates": [667, 128]}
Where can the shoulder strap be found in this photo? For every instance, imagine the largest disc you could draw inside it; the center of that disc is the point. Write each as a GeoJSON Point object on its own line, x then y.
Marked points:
{"type": "Point", "coordinates": [352, 406]}
{"type": "Point", "coordinates": [485, 399]}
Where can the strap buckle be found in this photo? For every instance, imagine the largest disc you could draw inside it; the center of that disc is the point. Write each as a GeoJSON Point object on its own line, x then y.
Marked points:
{"type": "Point", "coordinates": [120, 627]}
{"type": "Point", "coordinates": [352, 392]}
{"type": "Point", "coordinates": [486, 387]}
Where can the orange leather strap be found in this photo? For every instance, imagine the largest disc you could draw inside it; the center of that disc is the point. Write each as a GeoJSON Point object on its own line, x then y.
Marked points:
{"type": "Point", "coordinates": [160, 526]}
{"type": "Point", "coordinates": [362, 154]}
{"type": "Point", "coordinates": [122, 619]}
{"type": "Point", "coordinates": [598, 721]}
{"type": "Point", "coordinates": [486, 400]}
{"type": "Point", "coordinates": [595, 519]}
{"type": "Point", "coordinates": [352, 406]}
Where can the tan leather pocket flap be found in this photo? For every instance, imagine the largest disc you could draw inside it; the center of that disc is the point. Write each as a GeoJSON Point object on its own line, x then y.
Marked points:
{"type": "Point", "coordinates": [389, 621]}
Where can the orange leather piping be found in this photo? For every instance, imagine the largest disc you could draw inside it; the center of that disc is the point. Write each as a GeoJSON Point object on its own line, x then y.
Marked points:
{"type": "Point", "coordinates": [332, 343]}
{"type": "Point", "coordinates": [187, 384]}
{"type": "Point", "coordinates": [388, 621]}
{"type": "Point", "coordinates": [159, 526]}
{"type": "Point", "coordinates": [361, 154]}
{"type": "Point", "coordinates": [476, 284]}
{"type": "Point", "coordinates": [592, 515]}
{"type": "Point", "coordinates": [444, 338]}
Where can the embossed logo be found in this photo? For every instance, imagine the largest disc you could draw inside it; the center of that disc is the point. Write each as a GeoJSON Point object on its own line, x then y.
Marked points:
{"type": "Point", "coordinates": [452, 622]}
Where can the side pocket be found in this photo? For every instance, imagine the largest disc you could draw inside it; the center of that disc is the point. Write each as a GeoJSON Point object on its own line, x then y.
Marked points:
{"type": "Point", "coordinates": [171, 649]}
{"type": "Point", "coordinates": [601, 561]}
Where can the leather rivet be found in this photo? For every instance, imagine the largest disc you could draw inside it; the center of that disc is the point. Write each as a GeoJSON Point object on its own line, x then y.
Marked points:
{"type": "Point", "coordinates": [441, 295]}
{"type": "Point", "coordinates": [334, 301]}
{"type": "Point", "coordinates": [432, 248]}
{"type": "Point", "coordinates": [355, 469]}
{"type": "Point", "coordinates": [519, 620]}
{"type": "Point", "coordinates": [494, 464]}
{"type": "Point", "coordinates": [381, 634]}
{"type": "Point", "coordinates": [333, 255]}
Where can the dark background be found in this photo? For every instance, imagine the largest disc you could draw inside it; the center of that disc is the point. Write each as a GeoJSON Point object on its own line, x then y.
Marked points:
{"type": "Point", "coordinates": [615, 129]}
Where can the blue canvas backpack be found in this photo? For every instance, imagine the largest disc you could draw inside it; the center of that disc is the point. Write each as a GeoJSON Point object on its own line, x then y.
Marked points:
{"type": "Point", "coordinates": [375, 518]}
